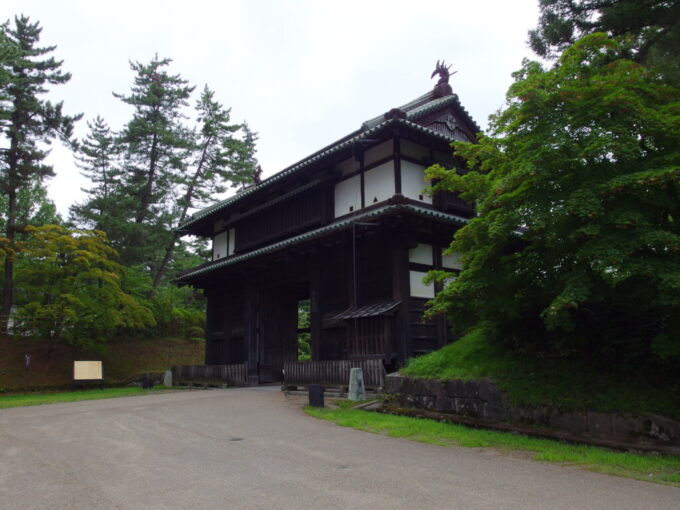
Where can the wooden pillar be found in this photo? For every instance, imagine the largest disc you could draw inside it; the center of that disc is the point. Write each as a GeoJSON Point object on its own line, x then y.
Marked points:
{"type": "Point", "coordinates": [397, 166]}
{"type": "Point", "coordinates": [360, 158]}
{"type": "Point", "coordinates": [251, 334]}
{"type": "Point", "coordinates": [216, 338]}
{"type": "Point", "coordinates": [316, 309]}
{"type": "Point", "coordinates": [350, 267]}
{"type": "Point", "coordinates": [401, 291]}
{"type": "Point", "coordinates": [209, 328]}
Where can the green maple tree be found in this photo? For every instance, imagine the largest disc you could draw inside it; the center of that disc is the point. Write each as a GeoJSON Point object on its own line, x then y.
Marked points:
{"type": "Point", "coordinates": [576, 246]}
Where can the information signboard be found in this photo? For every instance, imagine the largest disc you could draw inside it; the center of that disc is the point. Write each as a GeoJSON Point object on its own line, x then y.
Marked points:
{"type": "Point", "coordinates": [87, 371]}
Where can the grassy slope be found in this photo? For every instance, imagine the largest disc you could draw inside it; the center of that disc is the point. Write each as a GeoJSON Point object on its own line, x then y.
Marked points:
{"type": "Point", "coordinates": [121, 360]}
{"type": "Point", "coordinates": [565, 384]}
{"type": "Point", "coordinates": [658, 468]}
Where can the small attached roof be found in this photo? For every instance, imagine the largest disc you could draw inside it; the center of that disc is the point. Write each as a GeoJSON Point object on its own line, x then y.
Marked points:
{"type": "Point", "coordinates": [373, 310]}
{"type": "Point", "coordinates": [405, 116]}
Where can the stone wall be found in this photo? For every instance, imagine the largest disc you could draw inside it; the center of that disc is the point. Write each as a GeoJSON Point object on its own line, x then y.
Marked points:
{"type": "Point", "coordinates": [483, 402]}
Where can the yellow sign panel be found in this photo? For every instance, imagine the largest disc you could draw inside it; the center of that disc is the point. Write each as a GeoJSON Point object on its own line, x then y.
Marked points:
{"type": "Point", "coordinates": [87, 370]}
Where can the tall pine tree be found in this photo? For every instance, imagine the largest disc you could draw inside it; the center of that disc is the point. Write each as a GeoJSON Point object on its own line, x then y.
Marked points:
{"type": "Point", "coordinates": [155, 144]}
{"type": "Point", "coordinates": [97, 160]}
{"type": "Point", "coordinates": [221, 159]}
{"type": "Point", "coordinates": [29, 122]}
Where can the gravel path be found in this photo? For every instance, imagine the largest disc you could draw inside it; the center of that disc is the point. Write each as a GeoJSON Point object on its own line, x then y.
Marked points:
{"type": "Point", "coordinates": [252, 448]}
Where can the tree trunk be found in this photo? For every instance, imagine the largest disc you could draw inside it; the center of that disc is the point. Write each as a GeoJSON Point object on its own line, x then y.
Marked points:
{"type": "Point", "coordinates": [8, 289]}
{"type": "Point", "coordinates": [187, 201]}
{"type": "Point", "coordinates": [145, 199]}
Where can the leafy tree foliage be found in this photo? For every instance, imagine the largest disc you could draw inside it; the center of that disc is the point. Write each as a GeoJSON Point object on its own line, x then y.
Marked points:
{"type": "Point", "coordinates": [73, 288]}
{"type": "Point", "coordinates": [649, 28]}
{"type": "Point", "coordinates": [33, 208]}
{"type": "Point", "coordinates": [27, 122]}
{"type": "Point", "coordinates": [304, 339]}
{"type": "Point", "coordinates": [576, 248]}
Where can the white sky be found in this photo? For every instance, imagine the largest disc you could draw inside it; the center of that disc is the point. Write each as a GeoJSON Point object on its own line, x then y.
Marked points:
{"type": "Point", "coordinates": [302, 73]}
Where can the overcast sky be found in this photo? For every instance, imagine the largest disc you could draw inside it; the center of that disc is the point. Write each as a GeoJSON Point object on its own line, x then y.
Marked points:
{"type": "Point", "coordinates": [302, 73]}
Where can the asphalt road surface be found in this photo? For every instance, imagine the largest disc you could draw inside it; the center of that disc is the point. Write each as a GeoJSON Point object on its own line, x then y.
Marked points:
{"type": "Point", "coordinates": [252, 448]}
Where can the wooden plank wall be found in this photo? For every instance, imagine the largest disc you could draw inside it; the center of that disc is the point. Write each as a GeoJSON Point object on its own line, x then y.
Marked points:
{"type": "Point", "coordinates": [296, 215]}
{"type": "Point", "coordinates": [233, 375]}
{"type": "Point", "coordinates": [332, 372]}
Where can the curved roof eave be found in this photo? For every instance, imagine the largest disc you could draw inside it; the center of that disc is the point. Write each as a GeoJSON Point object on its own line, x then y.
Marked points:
{"type": "Point", "coordinates": [314, 158]}
{"type": "Point", "coordinates": [338, 225]}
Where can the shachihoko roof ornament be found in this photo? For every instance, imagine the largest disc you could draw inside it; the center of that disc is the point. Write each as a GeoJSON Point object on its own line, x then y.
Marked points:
{"type": "Point", "coordinates": [442, 88]}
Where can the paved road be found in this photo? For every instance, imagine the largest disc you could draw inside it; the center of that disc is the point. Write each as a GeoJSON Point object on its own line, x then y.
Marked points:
{"type": "Point", "coordinates": [251, 448]}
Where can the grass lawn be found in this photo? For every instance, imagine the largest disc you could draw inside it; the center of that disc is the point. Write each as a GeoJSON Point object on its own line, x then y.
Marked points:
{"type": "Point", "coordinates": [653, 468]}
{"type": "Point", "coordinates": [35, 399]}
{"type": "Point", "coordinates": [566, 384]}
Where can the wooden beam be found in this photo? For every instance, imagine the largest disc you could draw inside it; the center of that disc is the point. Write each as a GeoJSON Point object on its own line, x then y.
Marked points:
{"type": "Point", "coordinates": [316, 310]}
{"type": "Point", "coordinates": [250, 334]}
{"type": "Point", "coordinates": [397, 165]}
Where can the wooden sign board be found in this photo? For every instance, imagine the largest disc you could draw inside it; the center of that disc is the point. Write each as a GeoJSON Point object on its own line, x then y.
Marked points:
{"type": "Point", "coordinates": [87, 371]}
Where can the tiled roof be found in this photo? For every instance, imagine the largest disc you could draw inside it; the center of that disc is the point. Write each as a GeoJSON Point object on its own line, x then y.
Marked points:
{"type": "Point", "coordinates": [422, 106]}
{"type": "Point", "coordinates": [373, 310]}
{"type": "Point", "coordinates": [338, 225]}
{"type": "Point", "coordinates": [318, 156]}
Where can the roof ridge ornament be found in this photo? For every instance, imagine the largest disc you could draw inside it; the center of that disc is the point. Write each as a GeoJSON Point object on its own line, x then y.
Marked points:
{"type": "Point", "coordinates": [442, 88]}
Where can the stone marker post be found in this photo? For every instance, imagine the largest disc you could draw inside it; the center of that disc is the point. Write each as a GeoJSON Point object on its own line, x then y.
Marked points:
{"type": "Point", "coordinates": [167, 378]}
{"type": "Point", "coordinates": [357, 390]}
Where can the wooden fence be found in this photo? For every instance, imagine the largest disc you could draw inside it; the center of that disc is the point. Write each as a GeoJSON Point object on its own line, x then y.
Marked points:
{"type": "Point", "coordinates": [233, 375]}
{"type": "Point", "coordinates": [332, 372]}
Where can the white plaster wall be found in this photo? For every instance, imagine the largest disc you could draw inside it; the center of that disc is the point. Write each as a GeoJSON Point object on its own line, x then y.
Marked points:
{"type": "Point", "coordinates": [347, 196]}
{"type": "Point", "coordinates": [452, 260]}
{"type": "Point", "coordinates": [347, 166]}
{"type": "Point", "coordinates": [379, 183]}
{"type": "Point", "coordinates": [418, 288]}
{"type": "Point", "coordinates": [421, 254]}
{"type": "Point", "coordinates": [232, 242]}
{"type": "Point", "coordinates": [220, 245]}
{"type": "Point", "coordinates": [380, 151]}
{"type": "Point", "coordinates": [413, 150]}
{"type": "Point", "coordinates": [413, 182]}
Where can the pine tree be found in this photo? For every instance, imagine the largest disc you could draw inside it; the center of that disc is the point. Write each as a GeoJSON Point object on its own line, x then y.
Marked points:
{"type": "Point", "coordinates": [155, 144]}
{"type": "Point", "coordinates": [33, 208]}
{"type": "Point", "coordinates": [649, 28]}
{"type": "Point", "coordinates": [27, 71]}
{"type": "Point", "coordinates": [221, 160]}
{"type": "Point", "coordinates": [97, 159]}
{"type": "Point", "coordinates": [246, 162]}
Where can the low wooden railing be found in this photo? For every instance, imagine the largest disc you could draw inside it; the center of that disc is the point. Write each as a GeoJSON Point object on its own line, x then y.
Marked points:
{"type": "Point", "coordinates": [332, 372]}
{"type": "Point", "coordinates": [233, 375]}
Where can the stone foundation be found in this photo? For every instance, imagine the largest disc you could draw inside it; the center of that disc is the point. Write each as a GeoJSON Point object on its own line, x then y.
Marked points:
{"type": "Point", "coordinates": [483, 402]}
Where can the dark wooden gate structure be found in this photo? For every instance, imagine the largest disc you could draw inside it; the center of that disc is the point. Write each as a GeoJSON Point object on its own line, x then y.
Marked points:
{"type": "Point", "coordinates": [349, 228]}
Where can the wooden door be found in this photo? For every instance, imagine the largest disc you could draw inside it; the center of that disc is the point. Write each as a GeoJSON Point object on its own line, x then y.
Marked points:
{"type": "Point", "coordinates": [277, 325]}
